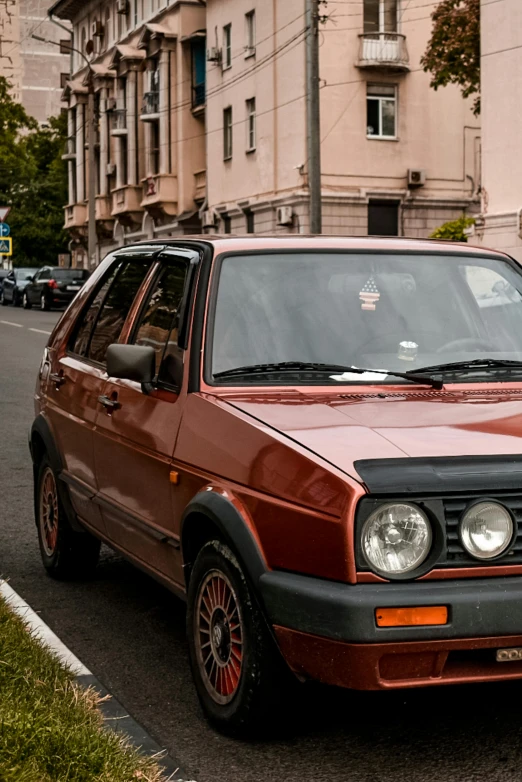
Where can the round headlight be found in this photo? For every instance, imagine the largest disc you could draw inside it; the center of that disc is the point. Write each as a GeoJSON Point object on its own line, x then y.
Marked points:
{"type": "Point", "coordinates": [396, 538]}
{"type": "Point", "coordinates": [486, 530]}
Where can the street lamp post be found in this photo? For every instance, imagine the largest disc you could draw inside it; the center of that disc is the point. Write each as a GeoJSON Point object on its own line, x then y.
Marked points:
{"type": "Point", "coordinates": [91, 125]}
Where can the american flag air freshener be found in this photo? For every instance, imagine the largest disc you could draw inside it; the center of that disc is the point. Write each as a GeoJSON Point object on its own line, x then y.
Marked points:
{"type": "Point", "coordinates": [370, 294]}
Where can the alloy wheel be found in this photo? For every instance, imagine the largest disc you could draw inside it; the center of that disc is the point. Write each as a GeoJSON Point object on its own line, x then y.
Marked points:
{"type": "Point", "coordinates": [48, 512]}
{"type": "Point", "coordinates": [218, 632]}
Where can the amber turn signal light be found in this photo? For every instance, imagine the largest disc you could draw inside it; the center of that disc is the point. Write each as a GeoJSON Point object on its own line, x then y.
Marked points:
{"type": "Point", "coordinates": [408, 617]}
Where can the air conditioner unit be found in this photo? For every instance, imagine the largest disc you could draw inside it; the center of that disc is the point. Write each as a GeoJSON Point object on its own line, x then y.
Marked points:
{"type": "Point", "coordinates": [111, 104]}
{"type": "Point", "coordinates": [209, 218]}
{"type": "Point", "coordinates": [111, 169]}
{"type": "Point", "coordinates": [97, 29]}
{"type": "Point", "coordinates": [122, 6]}
{"type": "Point", "coordinates": [214, 54]}
{"type": "Point", "coordinates": [416, 177]}
{"type": "Point", "coordinates": [284, 215]}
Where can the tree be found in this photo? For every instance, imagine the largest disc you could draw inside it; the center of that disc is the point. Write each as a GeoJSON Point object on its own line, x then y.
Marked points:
{"type": "Point", "coordinates": [33, 182]}
{"type": "Point", "coordinates": [453, 53]}
{"type": "Point", "coordinates": [454, 230]}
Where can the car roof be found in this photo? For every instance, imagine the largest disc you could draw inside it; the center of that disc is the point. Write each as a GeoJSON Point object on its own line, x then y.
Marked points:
{"type": "Point", "coordinates": [249, 243]}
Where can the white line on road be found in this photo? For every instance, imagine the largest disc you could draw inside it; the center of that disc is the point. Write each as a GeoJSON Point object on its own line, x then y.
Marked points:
{"type": "Point", "coordinates": [8, 323]}
{"type": "Point", "coordinates": [41, 331]}
{"type": "Point", "coordinates": [50, 639]}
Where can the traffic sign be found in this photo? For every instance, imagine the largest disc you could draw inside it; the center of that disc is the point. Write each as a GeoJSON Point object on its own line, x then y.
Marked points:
{"type": "Point", "coordinates": [4, 229]}
{"type": "Point", "coordinates": [4, 211]}
{"type": "Point", "coordinates": [6, 246]}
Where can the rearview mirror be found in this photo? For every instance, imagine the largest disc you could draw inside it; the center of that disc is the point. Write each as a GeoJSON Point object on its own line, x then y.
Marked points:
{"type": "Point", "coordinates": [132, 362]}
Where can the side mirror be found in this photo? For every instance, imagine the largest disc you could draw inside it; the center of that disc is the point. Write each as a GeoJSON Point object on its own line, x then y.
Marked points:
{"type": "Point", "coordinates": [132, 362]}
{"type": "Point", "coordinates": [30, 278]}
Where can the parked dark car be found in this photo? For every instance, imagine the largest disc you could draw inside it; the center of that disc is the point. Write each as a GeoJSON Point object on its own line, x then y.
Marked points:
{"type": "Point", "coordinates": [53, 286]}
{"type": "Point", "coordinates": [3, 275]}
{"type": "Point", "coordinates": [14, 285]}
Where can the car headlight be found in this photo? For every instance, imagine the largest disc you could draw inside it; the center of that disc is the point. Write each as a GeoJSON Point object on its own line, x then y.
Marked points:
{"type": "Point", "coordinates": [486, 530]}
{"type": "Point", "coordinates": [396, 538]}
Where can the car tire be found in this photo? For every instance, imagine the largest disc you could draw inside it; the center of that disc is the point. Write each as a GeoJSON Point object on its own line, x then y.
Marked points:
{"type": "Point", "coordinates": [238, 671]}
{"type": "Point", "coordinates": [44, 303]}
{"type": "Point", "coordinates": [66, 554]}
{"type": "Point", "coordinates": [26, 303]}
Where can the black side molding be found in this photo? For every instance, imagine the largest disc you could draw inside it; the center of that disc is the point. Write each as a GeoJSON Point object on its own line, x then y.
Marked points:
{"type": "Point", "coordinates": [441, 474]}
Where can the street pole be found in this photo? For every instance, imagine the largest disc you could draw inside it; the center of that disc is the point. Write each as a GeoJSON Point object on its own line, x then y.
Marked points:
{"type": "Point", "coordinates": [313, 112]}
{"type": "Point", "coordinates": [91, 120]}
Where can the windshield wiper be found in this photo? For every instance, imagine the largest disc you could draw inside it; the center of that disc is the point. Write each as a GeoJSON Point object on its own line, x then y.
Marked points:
{"type": "Point", "coordinates": [475, 364]}
{"type": "Point", "coordinates": [305, 366]}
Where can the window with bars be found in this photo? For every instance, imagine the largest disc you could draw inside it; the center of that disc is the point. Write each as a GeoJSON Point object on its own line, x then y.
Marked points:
{"type": "Point", "coordinates": [251, 124]}
{"type": "Point", "coordinates": [381, 111]}
{"type": "Point", "coordinates": [227, 133]}
{"type": "Point", "coordinates": [227, 46]}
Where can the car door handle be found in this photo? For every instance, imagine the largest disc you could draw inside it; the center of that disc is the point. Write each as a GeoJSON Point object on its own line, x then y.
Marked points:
{"type": "Point", "coordinates": [110, 404]}
{"type": "Point", "coordinates": [57, 378]}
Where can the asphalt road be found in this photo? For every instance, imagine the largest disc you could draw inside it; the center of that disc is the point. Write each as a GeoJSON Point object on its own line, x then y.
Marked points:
{"type": "Point", "coordinates": [130, 632]}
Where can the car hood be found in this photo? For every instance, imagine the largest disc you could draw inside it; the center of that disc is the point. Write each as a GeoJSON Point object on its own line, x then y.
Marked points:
{"type": "Point", "coordinates": [345, 428]}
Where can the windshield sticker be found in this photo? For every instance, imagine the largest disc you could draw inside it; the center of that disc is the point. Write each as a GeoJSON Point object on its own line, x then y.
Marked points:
{"type": "Point", "coordinates": [348, 377]}
{"type": "Point", "coordinates": [369, 295]}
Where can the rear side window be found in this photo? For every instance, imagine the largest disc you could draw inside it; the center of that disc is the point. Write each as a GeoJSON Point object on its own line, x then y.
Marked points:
{"type": "Point", "coordinates": [84, 330]}
{"type": "Point", "coordinates": [158, 327]}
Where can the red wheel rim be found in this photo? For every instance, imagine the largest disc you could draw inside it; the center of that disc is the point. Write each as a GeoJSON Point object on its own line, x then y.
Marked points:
{"type": "Point", "coordinates": [49, 512]}
{"type": "Point", "coordinates": [219, 636]}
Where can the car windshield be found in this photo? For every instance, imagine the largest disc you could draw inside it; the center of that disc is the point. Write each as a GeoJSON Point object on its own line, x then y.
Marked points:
{"type": "Point", "coordinates": [390, 311]}
{"type": "Point", "coordinates": [63, 275]}
{"type": "Point", "coordinates": [23, 274]}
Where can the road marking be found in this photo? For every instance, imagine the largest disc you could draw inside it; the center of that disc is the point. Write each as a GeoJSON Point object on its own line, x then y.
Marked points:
{"type": "Point", "coordinates": [41, 331]}
{"type": "Point", "coordinates": [8, 323]}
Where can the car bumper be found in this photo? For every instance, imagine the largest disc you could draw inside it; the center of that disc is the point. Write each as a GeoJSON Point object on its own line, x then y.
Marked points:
{"type": "Point", "coordinates": [327, 631]}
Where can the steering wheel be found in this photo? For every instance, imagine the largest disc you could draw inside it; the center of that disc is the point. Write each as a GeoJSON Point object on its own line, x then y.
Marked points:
{"type": "Point", "coordinates": [468, 343]}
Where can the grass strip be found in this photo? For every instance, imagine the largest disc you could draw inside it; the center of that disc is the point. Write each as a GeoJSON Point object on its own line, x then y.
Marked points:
{"type": "Point", "coordinates": [50, 728]}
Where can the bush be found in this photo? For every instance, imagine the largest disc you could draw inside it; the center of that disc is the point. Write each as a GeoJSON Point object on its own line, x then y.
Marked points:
{"type": "Point", "coordinates": [453, 231]}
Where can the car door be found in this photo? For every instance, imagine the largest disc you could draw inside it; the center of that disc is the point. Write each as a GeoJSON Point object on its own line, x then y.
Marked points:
{"type": "Point", "coordinates": [136, 432]}
{"type": "Point", "coordinates": [8, 286]}
{"type": "Point", "coordinates": [77, 378]}
{"type": "Point", "coordinates": [37, 286]}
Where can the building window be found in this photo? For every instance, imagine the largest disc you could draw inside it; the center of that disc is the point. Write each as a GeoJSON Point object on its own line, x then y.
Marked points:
{"type": "Point", "coordinates": [251, 124]}
{"type": "Point", "coordinates": [383, 218]}
{"type": "Point", "coordinates": [380, 16]}
{"type": "Point", "coordinates": [64, 78]}
{"type": "Point", "coordinates": [250, 46]}
{"type": "Point", "coordinates": [154, 147]}
{"type": "Point", "coordinates": [227, 46]}
{"type": "Point", "coordinates": [227, 133]}
{"type": "Point", "coordinates": [381, 111]}
{"type": "Point", "coordinates": [250, 222]}
{"type": "Point", "coordinates": [227, 224]}
{"type": "Point", "coordinates": [199, 69]}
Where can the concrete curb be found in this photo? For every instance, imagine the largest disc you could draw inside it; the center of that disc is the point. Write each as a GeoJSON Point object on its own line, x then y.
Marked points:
{"type": "Point", "coordinates": [114, 714]}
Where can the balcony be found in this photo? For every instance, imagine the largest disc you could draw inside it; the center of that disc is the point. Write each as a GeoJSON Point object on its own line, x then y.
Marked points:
{"type": "Point", "coordinates": [383, 51]}
{"type": "Point", "coordinates": [150, 105]}
{"type": "Point", "coordinates": [103, 207]}
{"type": "Point", "coordinates": [75, 216]}
{"type": "Point", "coordinates": [119, 122]}
{"type": "Point", "coordinates": [200, 181]}
{"type": "Point", "coordinates": [126, 205]}
{"type": "Point", "coordinates": [160, 195]}
{"type": "Point", "coordinates": [70, 148]}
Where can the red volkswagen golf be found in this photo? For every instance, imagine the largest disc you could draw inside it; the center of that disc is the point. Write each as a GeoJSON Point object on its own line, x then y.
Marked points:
{"type": "Point", "coordinates": [316, 442]}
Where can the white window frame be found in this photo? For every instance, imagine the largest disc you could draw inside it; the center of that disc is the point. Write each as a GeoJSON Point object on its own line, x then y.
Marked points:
{"type": "Point", "coordinates": [251, 124]}
{"type": "Point", "coordinates": [250, 33]}
{"type": "Point", "coordinates": [228, 133]}
{"type": "Point", "coordinates": [227, 47]}
{"type": "Point", "coordinates": [380, 99]}
{"type": "Point", "coordinates": [382, 4]}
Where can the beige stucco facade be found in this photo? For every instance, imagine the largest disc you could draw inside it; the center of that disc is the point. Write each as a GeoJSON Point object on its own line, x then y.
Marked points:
{"type": "Point", "coordinates": [500, 225]}
{"type": "Point", "coordinates": [201, 120]}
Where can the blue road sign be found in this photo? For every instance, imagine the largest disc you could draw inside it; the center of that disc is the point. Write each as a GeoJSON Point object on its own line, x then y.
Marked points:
{"type": "Point", "coordinates": [4, 229]}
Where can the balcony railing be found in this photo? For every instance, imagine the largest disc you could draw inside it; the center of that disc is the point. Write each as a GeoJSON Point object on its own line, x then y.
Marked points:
{"type": "Point", "coordinates": [199, 95]}
{"type": "Point", "coordinates": [383, 50]}
{"type": "Point", "coordinates": [119, 120]}
{"type": "Point", "coordinates": [150, 103]}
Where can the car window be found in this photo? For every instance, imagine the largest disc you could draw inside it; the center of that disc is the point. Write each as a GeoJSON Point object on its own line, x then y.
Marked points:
{"type": "Point", "coordinates": [158, 326]}
{"type": "Point", "coordinates": [490, 288]}
{"type": "Point", "coordinates": [116, 306]}
{"type": "Point", "coordinates": [82, 334]}
{"type": "Point", "coordinates": [63, 275]}
{"type": "Point", "coordinates": [45, 274]}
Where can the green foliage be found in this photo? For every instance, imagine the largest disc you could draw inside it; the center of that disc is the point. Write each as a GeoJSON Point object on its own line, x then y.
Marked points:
{"type": "Point", "coordinates": [33, 182]}
{"type": "Point", "coordinates": [50, 728]}
{"type": "Point", "coordinates": [453, 231]}
{"type": "Point", "coordinates": [453, 53]}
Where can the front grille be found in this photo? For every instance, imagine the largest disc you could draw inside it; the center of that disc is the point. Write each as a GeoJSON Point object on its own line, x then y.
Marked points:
{"type": "Point", "coordinates": [456, 555]}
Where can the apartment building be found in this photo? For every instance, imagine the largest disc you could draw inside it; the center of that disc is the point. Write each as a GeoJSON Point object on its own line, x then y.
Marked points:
{"type": "Point", "coordinates": [201, 120]}
{"type": "Point", "coordinates": [35, 69]}
{"type": "Point", "coordinates": [500, 224]}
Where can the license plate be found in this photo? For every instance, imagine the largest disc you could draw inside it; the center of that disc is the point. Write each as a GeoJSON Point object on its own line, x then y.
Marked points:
{"type": "Point", "coordinates": [509, 655]}
{"type": "Point", "coordinates": [72, 288]}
